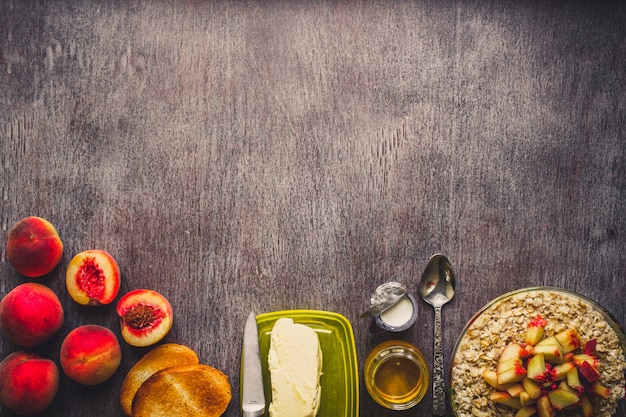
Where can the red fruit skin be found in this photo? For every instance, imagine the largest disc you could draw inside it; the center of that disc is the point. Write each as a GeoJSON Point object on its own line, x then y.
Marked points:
{"type": "Point", "coordinates": [28, 383]}
{"type": "Point", "coordinates": [590, 373]}
{"type": "Point", "coordinates": [30, 314]}
{"type": "Point", "coordinates": [590, 347]}
{"type": "Point", "coordinates": [90, 354]}
{"type": "Point", "coordinates": [34, 247]}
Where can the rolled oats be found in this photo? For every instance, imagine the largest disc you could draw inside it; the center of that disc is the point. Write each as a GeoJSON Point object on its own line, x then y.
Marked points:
{"type": "Point", "coordinates": [506, 321]}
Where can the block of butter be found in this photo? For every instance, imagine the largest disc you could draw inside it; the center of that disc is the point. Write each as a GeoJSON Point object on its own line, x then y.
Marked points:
{"type": "Point", "coordinates": [295, 365]}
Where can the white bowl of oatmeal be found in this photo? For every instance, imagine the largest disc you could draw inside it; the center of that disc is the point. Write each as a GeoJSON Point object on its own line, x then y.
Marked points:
{"type": "Point", "coordinates": [504, 321]}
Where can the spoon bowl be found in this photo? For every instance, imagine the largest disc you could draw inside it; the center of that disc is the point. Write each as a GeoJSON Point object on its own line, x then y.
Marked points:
{"type": "Point", "coordinates": [437, 287]}
{"type": "Point", "coordinates": [438, 282]}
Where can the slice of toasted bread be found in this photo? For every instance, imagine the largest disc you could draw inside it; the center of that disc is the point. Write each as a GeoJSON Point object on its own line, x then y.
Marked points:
{"type": "Point", "coordinates": [160, 357]}
{"type": "Point", "coordinates": [183, 391]}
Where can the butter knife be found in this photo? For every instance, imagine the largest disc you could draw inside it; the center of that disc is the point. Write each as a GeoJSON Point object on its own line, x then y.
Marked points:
{"type": "Point", "coordinates": [252, 394]}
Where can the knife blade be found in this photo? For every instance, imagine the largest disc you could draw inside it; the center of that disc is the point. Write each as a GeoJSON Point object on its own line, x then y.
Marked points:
{"type": "Point", "coordinates": [252, 395]}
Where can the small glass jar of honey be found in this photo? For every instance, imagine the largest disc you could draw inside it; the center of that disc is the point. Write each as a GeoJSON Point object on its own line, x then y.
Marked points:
{"type": "Point", "coordinates": [396, 375]}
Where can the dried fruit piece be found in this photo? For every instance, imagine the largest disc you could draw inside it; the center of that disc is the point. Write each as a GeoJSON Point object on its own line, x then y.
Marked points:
{"type": "Point", "coordinates": [505, 398]}
{"type": "Point", "coordinates": [544, 407]}
{"type": "Point", "coordinates": [560, 371]}
{"type": "Point", "coordinates": [526, 411]}
{"type": "Point", "coordinates": [600, 390]}
{"type": "Point", "coordinates": [515, 390]}
{"type": "Point", "coordinates": [569, 340]}
{"type": "Point", "coordinates": [583, 357]}
{"type": "Point", "coordinates": [531, 387]}
{"type": "Point", "coordinates": [551, 348]}
{"type": "Point", "coordinates": [573, 380]}
{"type": "Point", "coordinates": [93, 278]}
{"type": "Point", "coordinates": [588, 372]}
{"type": "Point", "coordinates": [525, 400]}
{"type": "Point", "coordinates": [145, 317]}
{"type": "Point", "coordinates": [590, 347]}
{"type": "Point", "coordinates": [534, 332]}
{"type": "Point", "coordinates": [515, 350]}
{"type": "Point", "coordinates": [537, 368]}
{"type": "Point", "coordinates": [563, 385]}
{"type": "Point", "coordinates": [511, 370]}
{"type": "Point", "coordinates": [491, 377]}
{"type": "Point", "coordinates": [586, 407]}
{"type": "Point", "coordinates": [560, 398]}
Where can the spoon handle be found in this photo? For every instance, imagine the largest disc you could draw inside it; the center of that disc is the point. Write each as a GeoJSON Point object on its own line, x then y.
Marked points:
{"type": "Point", "coordinates": [439, 392]}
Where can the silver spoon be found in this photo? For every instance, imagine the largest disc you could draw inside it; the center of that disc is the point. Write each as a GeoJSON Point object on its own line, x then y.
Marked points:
{"type": "Point", "coordinates": [437, 288]}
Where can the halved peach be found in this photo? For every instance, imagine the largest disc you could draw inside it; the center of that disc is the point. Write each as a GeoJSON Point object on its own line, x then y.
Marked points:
{"type": "Point", "coordinates": [93, 278]}
{"type": "Point", "coordinates": [145, 317]}
{"type": "Point", "coordinates": [34, 247]}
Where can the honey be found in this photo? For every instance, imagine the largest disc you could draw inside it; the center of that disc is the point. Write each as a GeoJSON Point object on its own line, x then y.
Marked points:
{"type": "Point", "coordinates": [396, 375]}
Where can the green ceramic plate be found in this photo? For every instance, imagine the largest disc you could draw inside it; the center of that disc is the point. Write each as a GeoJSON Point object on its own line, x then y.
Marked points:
{"type": "Point", "coordinates": [339, 381]}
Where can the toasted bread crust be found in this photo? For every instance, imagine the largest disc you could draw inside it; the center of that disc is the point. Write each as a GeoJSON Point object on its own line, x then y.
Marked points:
{"type": "Point", "coordinates": [183, 391]}
{"type": "Point", "coordinates": [159, 358]}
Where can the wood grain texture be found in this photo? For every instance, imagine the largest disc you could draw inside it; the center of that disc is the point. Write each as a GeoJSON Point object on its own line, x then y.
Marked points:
{"type": "Point", "coordinates": [262, 156]}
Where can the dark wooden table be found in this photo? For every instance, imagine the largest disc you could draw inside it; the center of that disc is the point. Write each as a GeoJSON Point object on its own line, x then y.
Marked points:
{"type": "Point", "coordinates": [263, 156]}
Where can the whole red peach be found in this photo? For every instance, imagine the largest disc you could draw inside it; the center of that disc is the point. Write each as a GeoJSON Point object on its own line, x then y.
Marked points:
{"type": "Point", "coordinates": [34, 247]}
{"type": "Point", "coordinates": [145, 317]}
{"type": "Point", "coordinates": [90, 354]}
{"type": "Point", "coordinates": [30, 314]}
{"type": "Point", "coordinates": [28, 383]}
{"type": "Point", "coordinates": [93, 278]}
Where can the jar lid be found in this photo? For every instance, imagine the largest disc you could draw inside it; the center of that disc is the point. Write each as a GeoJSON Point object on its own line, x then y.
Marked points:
{"type": "Point", "coordinates": [400, 316]}
{"type": "Point", "coordinates": [385, 296]}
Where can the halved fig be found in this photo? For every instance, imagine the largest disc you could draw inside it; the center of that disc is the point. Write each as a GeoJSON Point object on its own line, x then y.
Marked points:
{"type": "Point", "coordinates": [93, 278]}
{"type": "Point", "coordinates": [145, 317]}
